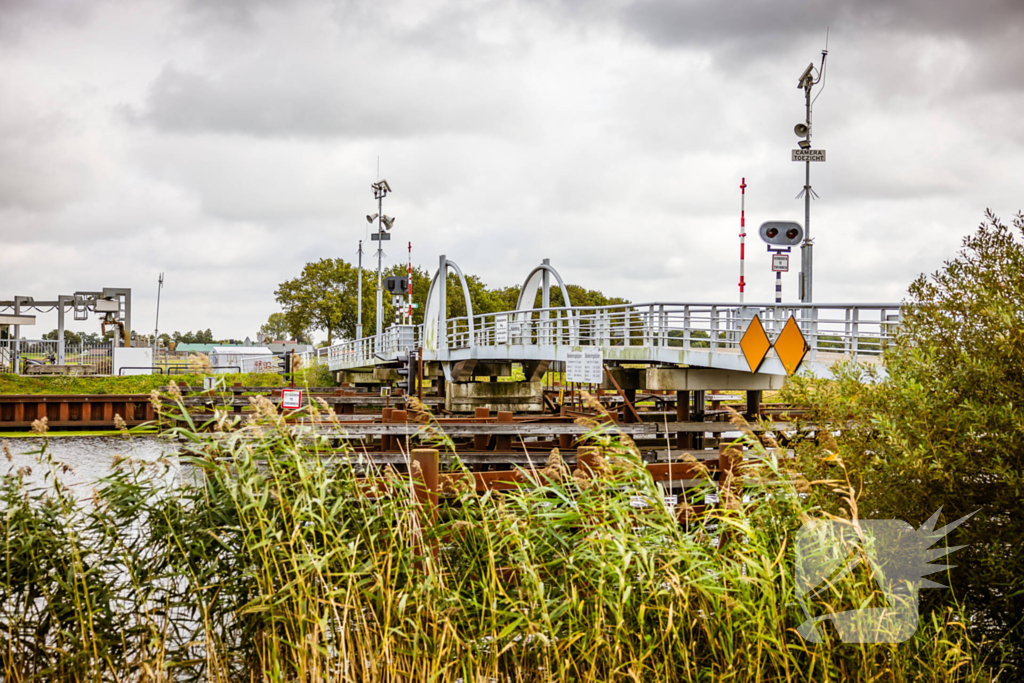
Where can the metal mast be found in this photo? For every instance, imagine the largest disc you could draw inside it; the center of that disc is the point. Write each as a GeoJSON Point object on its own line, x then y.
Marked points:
{"type": "Point", "coordinates": [807, 82]}
{"type": "Point", "coordinates": [359, 295]}
{"type": "Point", "coordinates": [743, 230]}
{"type": "Point", "coordinates": [384, 223]}
{"type": "Point", "coordinates": [156, 326]}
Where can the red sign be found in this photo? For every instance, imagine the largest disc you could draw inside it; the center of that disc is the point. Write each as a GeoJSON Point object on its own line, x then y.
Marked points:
{"type": "Point", "coordinates": [291, 398]}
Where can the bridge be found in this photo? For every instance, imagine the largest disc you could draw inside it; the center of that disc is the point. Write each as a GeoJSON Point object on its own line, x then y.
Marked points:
{"type": "Point", "coordinates": [665, 335]}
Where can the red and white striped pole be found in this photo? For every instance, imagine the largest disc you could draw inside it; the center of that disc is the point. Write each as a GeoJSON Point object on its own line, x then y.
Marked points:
{"type": "Point", "coordinates": [743, 230]}
{"type": "Point", "coordinates": [409, 280]}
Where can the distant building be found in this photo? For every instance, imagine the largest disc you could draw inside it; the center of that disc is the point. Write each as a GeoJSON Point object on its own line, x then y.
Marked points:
{"type": "Point", "coordinates": [198, 348]}
{"type": "Point", "coordinates": [287, 346]}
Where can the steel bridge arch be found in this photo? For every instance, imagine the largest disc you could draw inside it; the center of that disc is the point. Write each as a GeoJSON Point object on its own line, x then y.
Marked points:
{"type": "Point", "coordinates": [432, 307]}
{"type": "Point", "coordinates": [534, 281]}
{"type": "Point", "coordinates": [537, 279]}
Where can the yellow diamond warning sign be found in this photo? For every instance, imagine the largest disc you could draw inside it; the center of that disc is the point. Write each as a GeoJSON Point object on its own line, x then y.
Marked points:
{"type": "Point", "coordinates": [755, 344]}
{"type": "Point", "coordinates": [791, 346]}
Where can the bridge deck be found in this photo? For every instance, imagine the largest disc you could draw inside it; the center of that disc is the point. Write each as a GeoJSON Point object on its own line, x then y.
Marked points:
{"type": "Point", "coordinates": [696, 335]}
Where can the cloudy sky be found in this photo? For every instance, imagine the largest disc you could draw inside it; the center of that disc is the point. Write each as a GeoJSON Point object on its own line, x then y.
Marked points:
{"type": "Point", "coordinates": [227, 143]}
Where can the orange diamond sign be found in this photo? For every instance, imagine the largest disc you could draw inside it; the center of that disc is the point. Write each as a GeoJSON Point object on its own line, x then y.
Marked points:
{"type": "Point", "coordinates": [791, 346]}
{"type": "Point", "coordinates": [755, 344]}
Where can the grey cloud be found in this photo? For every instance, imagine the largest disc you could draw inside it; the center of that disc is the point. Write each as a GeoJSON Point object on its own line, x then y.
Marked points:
{"type": "Point", "coordinates": [19, 17]}
{"type": "Point", "coordinates": [356, 101]}
{"type": "Point", "coordinates": [762, 24]}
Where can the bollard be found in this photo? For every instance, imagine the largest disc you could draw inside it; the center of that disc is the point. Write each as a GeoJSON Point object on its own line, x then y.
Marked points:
{"type": "Point", "coordinates": [753, 405]}
{"type": "Point", "coordinates": [586, 459]}
{"type": "Point", "coordinates": [480, 441]}
{"type": "Point", "coordinates": [400, 442]}
{"type": "Point", "coordinates": [385, 439]}
{"type": "Point", "coordinates": [564, 440]}
{"type": "Point", "coordinates": [729, 494]}
{"type": "Point", "coordinates": [426, 483]}
{"type": "Point", "coordinates": [503, 442]}
{"type": "Point", "coordinates": [684, 440]}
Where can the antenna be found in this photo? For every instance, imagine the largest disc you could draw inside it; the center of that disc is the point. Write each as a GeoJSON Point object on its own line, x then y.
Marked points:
{"type": "Point", "coordinates": [156, 326]}
{"type": "Point", "coordinates": [821, 71]}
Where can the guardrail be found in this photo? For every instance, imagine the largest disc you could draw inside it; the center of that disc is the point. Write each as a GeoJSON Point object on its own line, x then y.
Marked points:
{"type": "Point", "coordinates": [851, 330]}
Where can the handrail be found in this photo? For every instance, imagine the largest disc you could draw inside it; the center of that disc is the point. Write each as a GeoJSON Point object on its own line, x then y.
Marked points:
{"type": "Point", "coordinates": [853, 329]}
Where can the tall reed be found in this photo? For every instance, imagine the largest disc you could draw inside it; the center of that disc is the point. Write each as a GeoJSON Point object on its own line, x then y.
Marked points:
{"type": "Point", "coordinates": [269, 559]}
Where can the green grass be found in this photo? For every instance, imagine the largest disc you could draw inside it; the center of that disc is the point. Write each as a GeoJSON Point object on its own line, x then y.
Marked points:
{"type": "Point", "coordinates": [143, 384]}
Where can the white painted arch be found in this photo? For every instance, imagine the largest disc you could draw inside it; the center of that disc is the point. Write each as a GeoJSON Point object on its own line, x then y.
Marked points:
{"type": "Point", "coordinates": [432, 308]}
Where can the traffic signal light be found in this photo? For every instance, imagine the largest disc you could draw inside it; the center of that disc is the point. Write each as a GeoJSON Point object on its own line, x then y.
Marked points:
{"type": "Point", "coordinates": [286, 364]}
{"type": "Point", "coordinates": [405, 372]}
{"type": "Point", "coordinates": [782, 233]}
{"type": "Point", "coordinates": [396, 284]}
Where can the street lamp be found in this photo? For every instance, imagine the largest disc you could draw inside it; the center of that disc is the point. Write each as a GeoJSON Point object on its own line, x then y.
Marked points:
{"type": "Point", "coordinates": [384, 223]}
{"type": "Point", "coordinates": [808, 79]}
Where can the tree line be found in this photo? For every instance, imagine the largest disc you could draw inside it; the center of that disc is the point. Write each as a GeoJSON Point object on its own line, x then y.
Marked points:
{"type": "Point", "coordinates": [324, 298]}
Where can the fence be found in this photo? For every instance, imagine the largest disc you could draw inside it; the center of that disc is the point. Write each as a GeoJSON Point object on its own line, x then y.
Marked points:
{"type": "Point", "coordinates": [43, 356]}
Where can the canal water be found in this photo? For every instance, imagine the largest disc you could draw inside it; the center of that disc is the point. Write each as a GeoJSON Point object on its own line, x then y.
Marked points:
{"type": "Point", "coordinates": [88, 458]}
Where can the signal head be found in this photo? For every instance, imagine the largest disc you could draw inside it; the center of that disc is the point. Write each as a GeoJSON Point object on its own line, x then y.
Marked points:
{"type": "Point", "coordinates": [782, 233]}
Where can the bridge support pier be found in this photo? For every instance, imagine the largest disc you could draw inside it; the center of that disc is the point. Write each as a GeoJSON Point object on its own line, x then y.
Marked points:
{"type": "Point", "coordinates": [467, 397]}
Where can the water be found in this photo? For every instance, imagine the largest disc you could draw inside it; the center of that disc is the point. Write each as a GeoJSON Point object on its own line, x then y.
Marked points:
{"type": "Point", "coordinates": [88, 458]}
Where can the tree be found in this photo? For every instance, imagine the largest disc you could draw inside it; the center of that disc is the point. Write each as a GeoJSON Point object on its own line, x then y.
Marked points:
{"type": "Point", "coordinates": [69, 336]}
{"type": "Point", "coordinates": [276, 327]}
{"type": "Point", "coordinates": [323, 297]}
{"type": "Point", "coordinates": [945, 426]}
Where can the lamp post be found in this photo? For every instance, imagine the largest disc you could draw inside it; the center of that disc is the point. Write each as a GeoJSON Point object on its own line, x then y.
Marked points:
{"type": "Point", "coordinates": [807, 81]}
{"type": "Point", "coordinates": [359, 296]}
{"type": "Point", "coordinates": [156, 327]}
{"type": "Point", "coordinates": [384, 223]}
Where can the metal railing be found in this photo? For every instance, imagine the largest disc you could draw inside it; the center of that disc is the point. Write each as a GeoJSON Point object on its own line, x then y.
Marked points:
{"type": "Point", "coordinates": [849, 329]}
{"type": "Point", "coordinates": [30, 356]}
{"type": "Point", "coordinates": [856, 331]}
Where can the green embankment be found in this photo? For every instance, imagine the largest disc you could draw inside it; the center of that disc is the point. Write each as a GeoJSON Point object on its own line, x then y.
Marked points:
{"type": "Point", "coordinates": [142, 384]}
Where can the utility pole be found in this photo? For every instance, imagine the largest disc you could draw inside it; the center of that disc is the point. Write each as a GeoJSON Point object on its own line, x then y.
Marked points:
{"type": "Point", "coordinates": [807, 82]}
{"type": "Point", "coordinates": [379, 196]}
{"type": "Point", "coordinates": [156, 327]}
{"type": "Point", "coordinates": [743, 230]}
{"type": "Point", "coordinates": [384, 223]}
{"type": "Point", "coordinates": [359, 296]}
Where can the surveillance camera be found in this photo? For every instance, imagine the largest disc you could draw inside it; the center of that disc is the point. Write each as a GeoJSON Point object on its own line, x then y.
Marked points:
{"type": "Point", "coordinates": [805, 76]}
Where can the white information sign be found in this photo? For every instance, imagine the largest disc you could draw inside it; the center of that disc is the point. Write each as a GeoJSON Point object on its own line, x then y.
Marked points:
{"type": "Point", "coordinates": [639, 502]}
{"type": "Point", "coordinates": [515, 330]}
{"type": "Point", "coordinates": [291, 398]}
{"type": "Point", "coordinates": [808, 155]}
{"type": "Point", "coordinates": [585, 366]}
{"type": "Point", "coordinates": [780, 263]}
{"type": "Point", "coordinates": [501, 329]}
